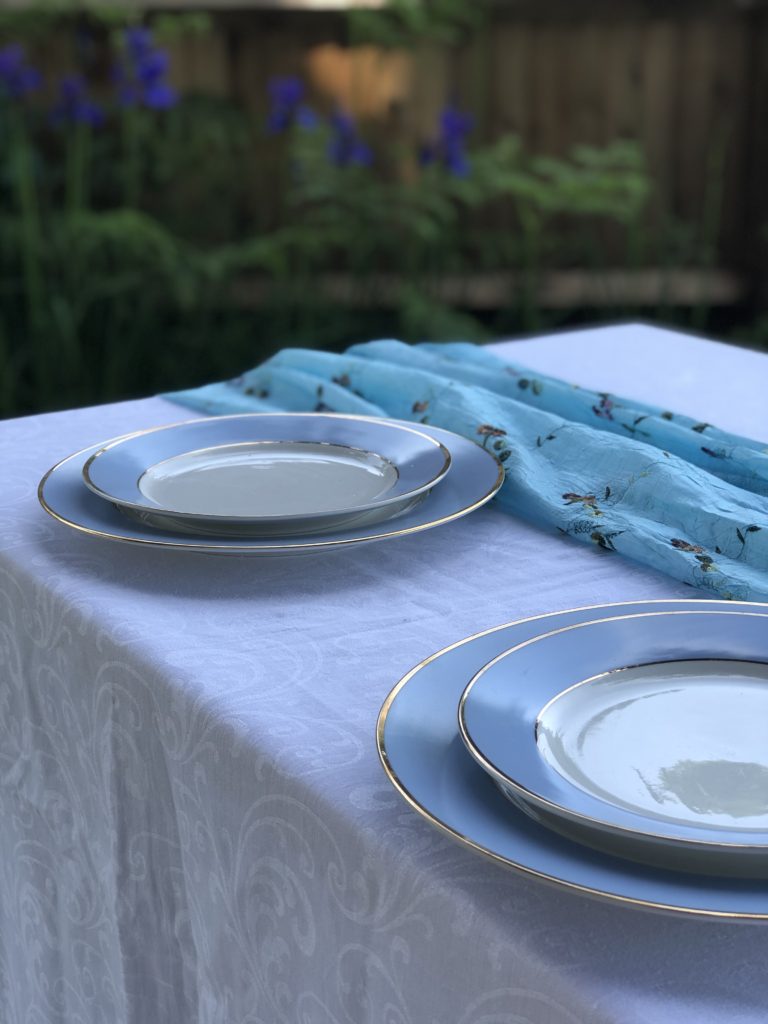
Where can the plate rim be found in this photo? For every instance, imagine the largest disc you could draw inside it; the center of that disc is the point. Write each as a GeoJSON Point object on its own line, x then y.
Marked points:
{"type": "Point", "coordinates": [115, 442]}
{"type": "Point", "coordinates": [259, 546]}
{"type": "Point", "coordinates": [589, 820]}
{"type": "Point", "coordinates": [499, 858]}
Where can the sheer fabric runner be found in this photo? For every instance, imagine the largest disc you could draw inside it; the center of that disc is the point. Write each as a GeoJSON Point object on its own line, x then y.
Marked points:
{"type": "Point", "coordinates": [657, 487]}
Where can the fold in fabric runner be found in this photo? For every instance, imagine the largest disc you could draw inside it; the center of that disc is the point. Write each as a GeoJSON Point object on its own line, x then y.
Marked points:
{"type": "Point", "coordinates": [657, 487]}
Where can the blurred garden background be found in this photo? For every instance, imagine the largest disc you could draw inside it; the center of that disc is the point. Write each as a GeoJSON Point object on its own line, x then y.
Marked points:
{"type": "Point", "coordinates": [185, 189]}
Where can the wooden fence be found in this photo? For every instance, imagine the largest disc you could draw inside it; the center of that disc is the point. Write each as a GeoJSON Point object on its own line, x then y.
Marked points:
{"type": "Point", "coordinates": [689, 80]}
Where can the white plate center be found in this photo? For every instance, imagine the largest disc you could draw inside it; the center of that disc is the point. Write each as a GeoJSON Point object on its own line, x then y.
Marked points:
{"type": "Point", "coordinates": [268, 478]}
{"type": "Point", "coordinates": [683, 741]}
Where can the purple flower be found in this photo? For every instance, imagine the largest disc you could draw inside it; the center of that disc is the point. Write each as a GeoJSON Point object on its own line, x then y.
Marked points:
{"type": "Point", "coordinates": [448, 150]}
{"type": "Point", "coordinates": [346, 147]}
{"type": "Point", "coordinates": [152, 67]}
{"type": "Point", "coordinates": [455, 125]}
{"type": "Point", "coordinates": [17, 78]}
{"type": "Point", "coordinates": [140, 76]}
{"type": "Point", "coordinates": [160, 96]}
{"type": "Point", "coordinates": [138, 41]}
{"type": "Point", "coordinates": [287, 91]}
{"type": "Point", "coordinates": [286, 108]}
{"type": "Point", "coordinates": [74, 106]}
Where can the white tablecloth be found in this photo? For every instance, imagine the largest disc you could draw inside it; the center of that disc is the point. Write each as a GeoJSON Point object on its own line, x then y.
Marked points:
{"type": "Point", "coordinates": [195, 826]}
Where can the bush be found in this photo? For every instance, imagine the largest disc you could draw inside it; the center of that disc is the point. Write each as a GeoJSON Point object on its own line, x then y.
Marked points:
{"type": "Point", "coordinates": [132, 259]}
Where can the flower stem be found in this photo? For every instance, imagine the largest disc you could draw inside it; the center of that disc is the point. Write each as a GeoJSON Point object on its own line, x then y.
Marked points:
{"type": "Point", "coordinates": [8, 379]}
{"type": "Point", "coordinates": [531, 237]}
{"type": "Point", "coordinates": [29, 211]}
{"type": "Point", "coordinates": [131, 159]}
{"type": "Point", "coordinates": [78, 160]}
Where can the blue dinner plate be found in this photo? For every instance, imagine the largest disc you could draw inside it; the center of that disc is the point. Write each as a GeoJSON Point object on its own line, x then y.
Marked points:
{"type": "Point", "coordinates": [425, 759]}
{"type": "Point", "coordinates": [644, 735]}
{"type": "Point", "coordinates": [474, 479]}
{"type": "Point", "coordinates": [279, 472]}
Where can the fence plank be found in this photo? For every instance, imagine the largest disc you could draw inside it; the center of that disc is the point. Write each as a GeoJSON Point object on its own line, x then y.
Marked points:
{"type": "Point", "coordinates": [545, 132]}
{"type": "Point", "coordinates": [732, 90]}
{"type": "Point", "coordinates": [685, 79]}
{"type": "Point", "coordinates": [510, 57]}
{"type": "Point", "coordinates": [751, 237]}
{"type": "Point", "coordinates": [200, 64]}
{"type": "Point", "coordinates": [659, 105]}
{"type": "Point", "coordinates": [432, 88]}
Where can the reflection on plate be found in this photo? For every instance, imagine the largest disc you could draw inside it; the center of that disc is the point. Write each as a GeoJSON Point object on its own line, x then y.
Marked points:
{"type": "Point", "coordinates": [684, 741]}
{"type": "Point", "coordinates": [474, 479]}
{"type": "Point", "coordinates": [268, 479]}
{"type": "Point", "coordinates": [425, 759]}
{"type": "Point", "coordinates": [267, 473]}
{"type": "Point", "coordinates": [620, 758]}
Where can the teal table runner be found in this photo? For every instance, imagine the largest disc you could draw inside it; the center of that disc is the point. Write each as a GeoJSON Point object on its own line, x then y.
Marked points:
{"type": "Point", "coordinates": [657, 487]}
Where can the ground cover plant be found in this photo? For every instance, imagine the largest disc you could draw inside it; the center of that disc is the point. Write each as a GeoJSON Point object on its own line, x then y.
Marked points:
{"type": "Point", "coordinates": [151, 239]}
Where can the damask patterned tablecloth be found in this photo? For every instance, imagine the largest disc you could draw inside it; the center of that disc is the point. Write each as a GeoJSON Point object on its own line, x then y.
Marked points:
{"type": "Point", "coordinates": [195, 826]}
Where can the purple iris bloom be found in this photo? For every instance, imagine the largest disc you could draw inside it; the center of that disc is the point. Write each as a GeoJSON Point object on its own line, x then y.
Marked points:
{"type": "Point", "coordinates": [17, 78]}
{"type": "Point", "coordinates": [74, 105]}
{"type": "Point", "coordinates": [152, 67]}
{"type": "Point", "coordinates": [346, 147]}
{"type": "Point", "coordinates": [287, 91]}
{"type": "Point", "coordinates": [138, 41]}
{"type": "Point", "coordinates": [140, 77]}
{"type": "Point", "coordinates": [160, 96]}
{"type": "Point", "coordinates": [286, 108]}
{"type": "Point", "coordinates": [455, 125]}
{"type": "Point", "coordinates": [449, 149]}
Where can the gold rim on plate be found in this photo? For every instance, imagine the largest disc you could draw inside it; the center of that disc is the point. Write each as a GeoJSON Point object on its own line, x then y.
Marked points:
{"type": "Point", "coordinates": [550, 805]}
{"type": "Point", "coordinates": [401, 425]}
{"type": "Point", "coordinates": [498, 858]}
{"type": "Point", "coordinates": [254, 549]}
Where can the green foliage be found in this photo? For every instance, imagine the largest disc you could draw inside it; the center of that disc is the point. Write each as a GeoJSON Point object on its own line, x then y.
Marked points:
{"type": "Point", "coordinates": [406, 23]}
{"type": "Point", "coordinates": [40, 20]}
{"type": "Point", "coordinates": [178, 246]}
{"type": "Point", "coordinates": [363, 223]}
{"type": "Point", "coordinates": [170, 27]}
{"type": "Point", "coordinates": [211, 136]}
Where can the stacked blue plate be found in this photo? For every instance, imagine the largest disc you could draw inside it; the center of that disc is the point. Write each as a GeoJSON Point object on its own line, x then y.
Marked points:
{"type": "Point", "coordinates": [267, 483]}
{"type": "Point", "coordinates": [620, 750]}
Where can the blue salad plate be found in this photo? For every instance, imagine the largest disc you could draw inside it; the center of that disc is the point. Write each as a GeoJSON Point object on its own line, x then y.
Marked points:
{"type": "Point", "coordinates": [268, 474]}
{"type": "Point", "coordinates": [642, 735]}
{"type": "Point", "coordinates": [424, 757]}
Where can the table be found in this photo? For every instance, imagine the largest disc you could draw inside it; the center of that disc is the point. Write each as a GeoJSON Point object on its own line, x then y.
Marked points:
{"type": "Point", "coordinates": [196, 829]}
